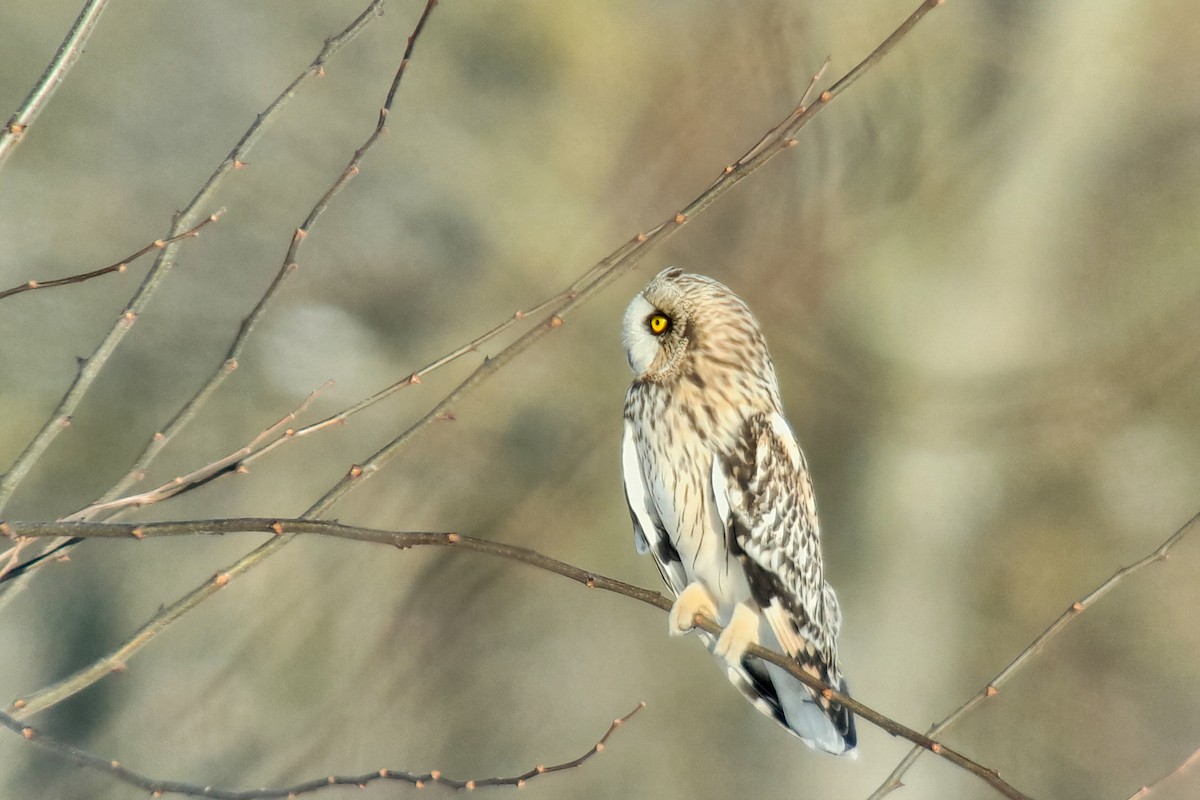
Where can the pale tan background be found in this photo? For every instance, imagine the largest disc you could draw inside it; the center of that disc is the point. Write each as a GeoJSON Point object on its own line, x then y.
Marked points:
{"type": "Point", "coordinates": [977, 272]}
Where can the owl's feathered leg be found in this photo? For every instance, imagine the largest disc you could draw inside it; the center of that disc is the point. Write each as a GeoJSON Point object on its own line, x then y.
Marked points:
{"type": "Point", "coordinates": [694, 599]}
{"type": "Point", "coordinates": [740, 633]}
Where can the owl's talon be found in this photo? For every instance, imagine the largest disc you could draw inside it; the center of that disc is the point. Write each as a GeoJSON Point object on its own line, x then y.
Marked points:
{"type": "Point", "coordinates": [739, 634]}
{"type": "Point", "coordinates": [695, 600]}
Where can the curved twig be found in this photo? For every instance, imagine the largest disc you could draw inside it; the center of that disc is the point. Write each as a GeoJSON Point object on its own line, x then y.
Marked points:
{"type": "Point", "coordinates": [158, 787]}
{"type": "Point", "coordinates": [120, 266]}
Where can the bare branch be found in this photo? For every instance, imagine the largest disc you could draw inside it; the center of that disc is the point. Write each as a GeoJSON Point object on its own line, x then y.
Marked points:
{"type": "Point", "coordinates": [68, 53]}
{"type": "Point", "coordinates": [10, 559]}
{"type": "Point", "coordinates": [157, 787]}
{"type": "Point", "coordinates": [202, 476]}
{"type": "Point", "coordinates": [263, 444]}
{"type": "Point", "coordinates": [22, 708]}
{"type": "Point", "coordinates": [276, 436]}
{"type": "Point", "coordinates": [91, 367]}
{"type": "Point", "coordinates": [120, 266]}
{"type": "Point", "coordinates": [1073, 611]}
{"type": "Point", "coordinates": [409, 380]}
{"type": "Point", "coordinates": [232, 462]}
{"type": "Point", "coordinates": [1146, 791]}
{"type": "Point", "coordinates": [272, 438]}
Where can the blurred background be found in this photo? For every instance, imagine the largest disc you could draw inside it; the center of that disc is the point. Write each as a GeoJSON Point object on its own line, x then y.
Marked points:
{"type": "Point", "coordinates": [977, 273]}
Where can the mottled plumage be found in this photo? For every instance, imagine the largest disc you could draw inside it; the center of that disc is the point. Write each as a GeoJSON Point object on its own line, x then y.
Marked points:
{"type": "Point", "coordinates": [720, 496]}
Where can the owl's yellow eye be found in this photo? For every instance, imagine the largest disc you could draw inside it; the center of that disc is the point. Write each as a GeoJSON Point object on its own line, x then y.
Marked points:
{"type": "Point", "coordinates": [658, 324]}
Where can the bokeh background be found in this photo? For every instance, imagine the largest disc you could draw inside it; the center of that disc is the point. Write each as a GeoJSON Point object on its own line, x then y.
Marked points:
{"type": "Point", "coordinates": [977, 273]}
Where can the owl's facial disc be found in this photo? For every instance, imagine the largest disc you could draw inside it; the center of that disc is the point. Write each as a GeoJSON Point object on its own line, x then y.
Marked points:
{"type": "Point", "coordinates": [641, 346]}
{"type": "Point", "coordinates": [652, 332]}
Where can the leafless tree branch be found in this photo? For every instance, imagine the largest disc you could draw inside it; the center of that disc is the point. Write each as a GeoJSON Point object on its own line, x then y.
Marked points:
{"type": "Point", "coordinates": [158, 787]}
{"type": "Point", "coordinates": [24, 707]}
{"type": "Point", "coordinates": [280, 433]}
{"type": "Point", "coordinates": [120, 266]}
{"type": "Point", "coordinates": [1146, 791]}
{"type": "Point", "coordinates": [232, 463]}
{"type": "Point", "coordinates": [68, 53]}
{"type": "Point", "coordinates": [1073, 611]}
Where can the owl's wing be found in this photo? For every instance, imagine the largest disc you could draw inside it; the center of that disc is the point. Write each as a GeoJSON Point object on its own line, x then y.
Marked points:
{"type": "Point", "coordinates": [649, 534]}
{"type": "Point", "coordinates": [764, 495]}
{"type": "Point", "coordinates": [771, 522]}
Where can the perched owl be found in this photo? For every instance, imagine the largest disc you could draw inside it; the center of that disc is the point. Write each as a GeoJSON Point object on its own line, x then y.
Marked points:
{"type": "Point", "coordinates": [720, 496]}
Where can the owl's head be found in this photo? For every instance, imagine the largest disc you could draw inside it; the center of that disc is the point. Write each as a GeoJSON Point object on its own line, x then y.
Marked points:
{"type": "Point", "coordinates": [681, 323]}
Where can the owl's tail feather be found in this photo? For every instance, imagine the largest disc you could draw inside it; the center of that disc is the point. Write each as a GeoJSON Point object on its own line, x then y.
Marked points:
{"type": "Point", "coordinates": [821, 725]}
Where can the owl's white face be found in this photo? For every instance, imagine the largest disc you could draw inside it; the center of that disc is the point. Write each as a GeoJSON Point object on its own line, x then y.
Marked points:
{"type": "Point", "coordinates": [653, 334]}
{"type": "Point", "coordinates": [641, 346]}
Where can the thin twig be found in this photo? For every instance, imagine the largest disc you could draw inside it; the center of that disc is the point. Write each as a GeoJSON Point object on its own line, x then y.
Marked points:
{"type": "Point", "coordinates": [409, 380]}
{"type": "Point", "coordinates": [286, 528]}
{"type": "Point", "coordinates": [594, 279]}
{"type": "Point", "coordinates": [10, 559]}
{"type": "Point", "coordinates": [263, 444]}
{"type": "Point", "coordinates": [120, 266]}
{"type": "Point", "coordinates": [229, 463]}
{"type": "Point", "coordinates": [279, 434]}
{"type": "Point", "coordinates": [1145, 791]}
{"type": "Point", "coordinates": [157, 787]}
{"type": "Point", "coordinates": [226, 465]}
{"type": "Point", "coordinates": [91, 367]}
{"type": "Point", "coordinates": [893, 781]}
{"type": "Point", "coordinates": [68, 53]}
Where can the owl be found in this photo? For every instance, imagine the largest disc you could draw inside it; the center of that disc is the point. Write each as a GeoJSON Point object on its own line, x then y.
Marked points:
{"type": "Point", "coordinates": [720, 497]}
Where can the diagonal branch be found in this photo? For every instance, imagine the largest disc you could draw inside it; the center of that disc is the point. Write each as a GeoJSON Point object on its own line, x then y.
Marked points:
{"type": "Point", "coordinates": [120, 266]}
{"type": "Point", "coordinates": [409, 380]}
{"type": "Point", "coordinates": [22, 708]}
{"type": "Point", "coordinates": [68, 53]}
{"type": "Point", "coordinates": [158, 787]}
{"type": "Point", "coordinates": [1073, 611]}
{"type": "Point", "coordinates": [591, 282]}
{"type": "Point", "coordinates": [279, 434]}
{"type": "Point", "coordinates": [231, 463]}
{"type": "Point", "coordinates": [1187, 764]}
{"type": "Point", "coordinates": [91, 367]}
